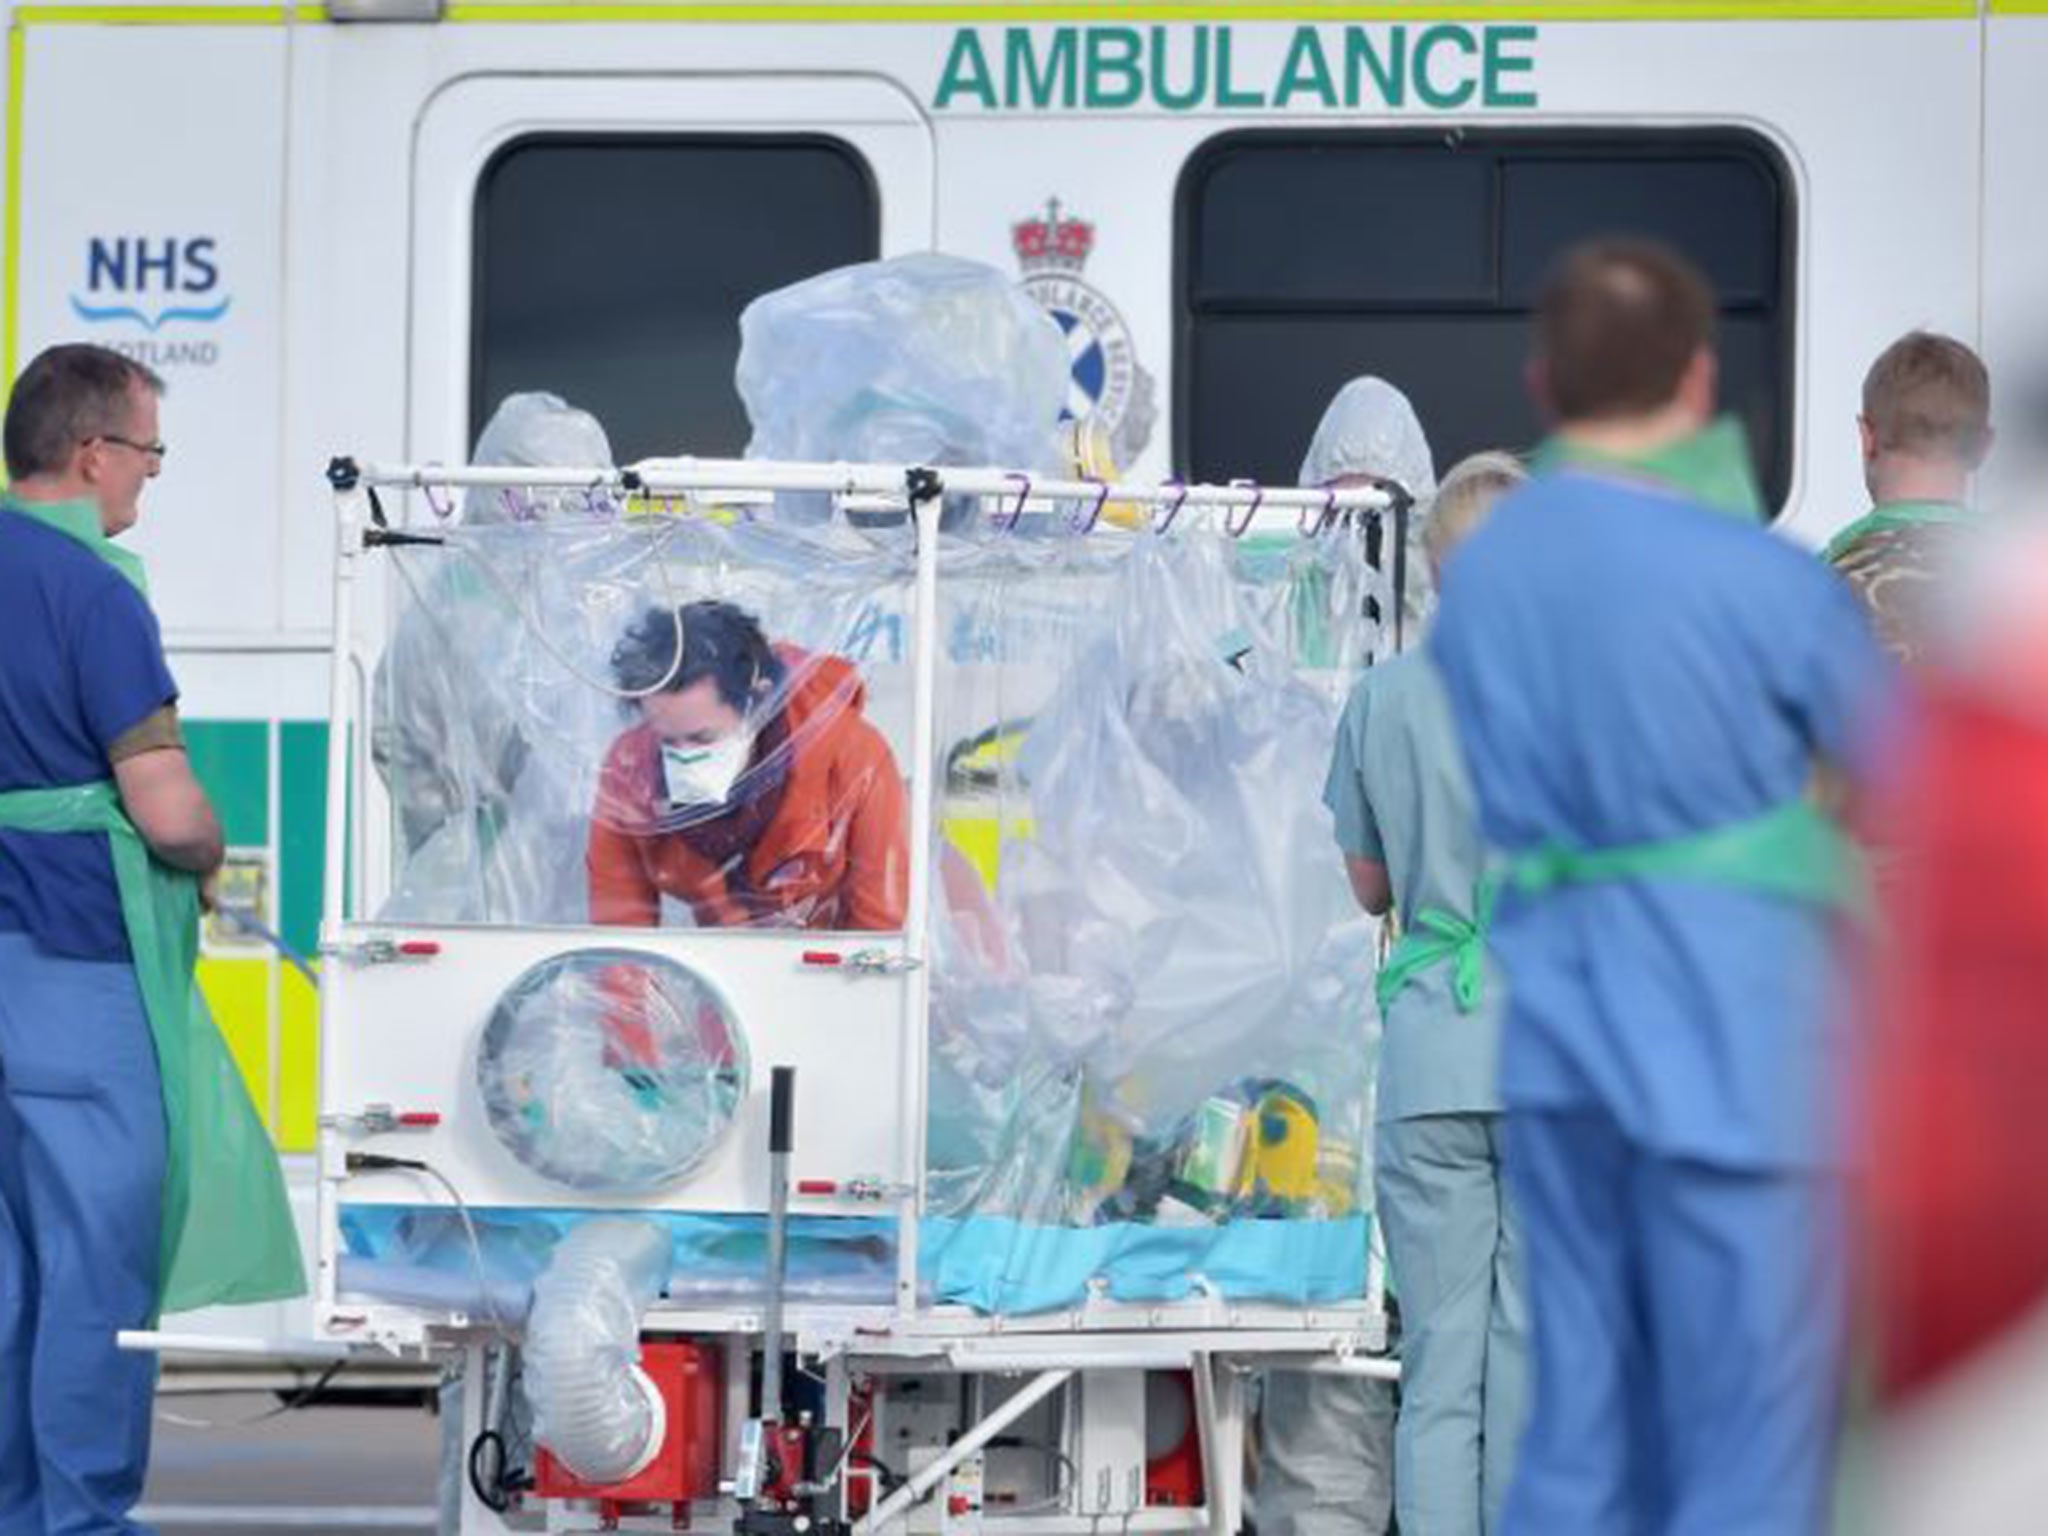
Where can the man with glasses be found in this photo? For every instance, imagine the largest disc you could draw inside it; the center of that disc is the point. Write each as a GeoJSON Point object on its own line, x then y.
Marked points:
{"type": "Point", "coordinates": [104, 1061]}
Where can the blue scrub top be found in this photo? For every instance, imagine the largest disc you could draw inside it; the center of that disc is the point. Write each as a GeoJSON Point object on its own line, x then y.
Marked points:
{"type": "Point", "coordinates": [83, 665]}
{"type": "Point", "coordinates": [1398, 791]}
{"type": "Point", "coordinates": [1626, 665]}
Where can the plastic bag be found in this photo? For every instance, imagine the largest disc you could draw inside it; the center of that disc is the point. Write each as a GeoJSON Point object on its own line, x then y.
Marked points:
{"type": "Point", "coordinates": [921, 359]}
{"type": "Point", "coordinates": [1175, 1026]}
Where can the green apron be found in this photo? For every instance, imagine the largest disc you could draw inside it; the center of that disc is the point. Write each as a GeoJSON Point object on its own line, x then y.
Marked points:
{"type": "Point", "coordinates": [1711, 467]}
{"type": "Point", "coordinates": [228, 1235]}
{"type": "Point", "coordinates": [1795, 852]}
{"type": "Point", "coordinates": [1892, 515]}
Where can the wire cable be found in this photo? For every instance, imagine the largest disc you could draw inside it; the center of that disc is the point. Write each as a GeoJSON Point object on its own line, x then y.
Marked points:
{"type": "Point", "coordinates": [299, 1398]}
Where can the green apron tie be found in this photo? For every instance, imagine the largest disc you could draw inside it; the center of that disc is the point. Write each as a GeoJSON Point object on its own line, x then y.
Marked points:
{"type": "Point", "coordinates": [1793, 851]}
{"type": "Point", "coordinates": [1439, 936]}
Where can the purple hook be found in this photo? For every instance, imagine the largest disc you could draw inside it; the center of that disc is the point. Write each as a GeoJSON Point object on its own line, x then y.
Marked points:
{"type": "Point", "coordinates": [1023, 495]}
{"type": "Point", "coordinates": [1095, 512]}
{"type": "Point", "coordinates": [1163, 525]}
{"type": "Point", "coordinates": [1308, 530]}
{"type": "Point", "coordinates": [1238, 530]}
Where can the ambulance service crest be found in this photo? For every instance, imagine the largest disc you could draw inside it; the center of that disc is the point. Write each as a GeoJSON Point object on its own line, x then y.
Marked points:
{"type": "Point", "coordinates": [1106, 385]}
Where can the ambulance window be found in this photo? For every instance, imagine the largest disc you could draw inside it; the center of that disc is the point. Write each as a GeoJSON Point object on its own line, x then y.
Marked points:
{"type": "Point", "coordinates": [613, 270]}
{"type": "Point", "coordinates": [1305, 258]}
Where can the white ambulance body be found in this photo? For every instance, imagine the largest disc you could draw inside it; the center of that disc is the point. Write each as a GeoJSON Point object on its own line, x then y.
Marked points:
{"type": "Point", "coordinates": [335, 235]}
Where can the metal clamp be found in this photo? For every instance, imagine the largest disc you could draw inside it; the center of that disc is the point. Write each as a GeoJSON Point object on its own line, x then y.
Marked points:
{"type": "Point", "coordinates": [383, 951]}
{"type": "Point", "coordinates": [864, 1189]}
{"type": "Point", "coordinates": [863, 962]}
{"type": "Point", "coordinates": [382, 1119]}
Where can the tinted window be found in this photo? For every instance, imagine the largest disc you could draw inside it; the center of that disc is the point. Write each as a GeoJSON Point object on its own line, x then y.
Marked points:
{"type": "Point", "coordinates": [1304, 259]}
{"type": "Point", "coordinates": [613, 271]}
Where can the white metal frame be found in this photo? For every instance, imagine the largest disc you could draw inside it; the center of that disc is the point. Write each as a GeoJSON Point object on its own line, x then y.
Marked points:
{"type": "Point", "coordinates": [1217, 1340]}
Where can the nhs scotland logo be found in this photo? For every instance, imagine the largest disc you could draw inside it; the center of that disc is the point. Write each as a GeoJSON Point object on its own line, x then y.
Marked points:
{"type": "Point", "coordinates": [151, 282]}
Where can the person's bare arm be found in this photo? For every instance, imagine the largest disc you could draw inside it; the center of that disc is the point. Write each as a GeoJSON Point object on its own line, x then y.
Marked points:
{"type": "Point", "coordinates": [1369, 884]}
{"type": "Point", "coordinates": [170, 810]}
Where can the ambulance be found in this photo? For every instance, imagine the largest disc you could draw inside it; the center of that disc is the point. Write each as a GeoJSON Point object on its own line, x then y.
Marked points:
{"type": "Point", "coordinates": [353, 228]}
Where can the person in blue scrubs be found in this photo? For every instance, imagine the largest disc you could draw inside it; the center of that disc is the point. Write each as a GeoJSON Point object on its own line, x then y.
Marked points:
{"type": "Point", "coordinates": [85, 696]}
{"type": "Point", "coordinates": [1409, 831]}
{"type": "Point", "coordinates": [1646, 684]}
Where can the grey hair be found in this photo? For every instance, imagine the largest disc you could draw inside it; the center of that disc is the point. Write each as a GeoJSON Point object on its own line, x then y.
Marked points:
{"type": "Point", "coordinates": [67, 395]}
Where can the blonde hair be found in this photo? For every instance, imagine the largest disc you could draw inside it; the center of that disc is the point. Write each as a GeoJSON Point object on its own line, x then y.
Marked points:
{"type": "Point", "coordinates": [1465, 498]}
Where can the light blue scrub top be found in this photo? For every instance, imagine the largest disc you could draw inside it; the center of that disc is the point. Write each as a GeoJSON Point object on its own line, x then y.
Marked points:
{"type": "Point", "coordinates": [1398, 790]}
{"type": "Point", "coordinates": [1626, 665]}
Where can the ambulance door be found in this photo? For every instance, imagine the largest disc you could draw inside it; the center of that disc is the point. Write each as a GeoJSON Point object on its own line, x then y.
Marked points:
{"type": "Point", "coordinates": [598, 236]}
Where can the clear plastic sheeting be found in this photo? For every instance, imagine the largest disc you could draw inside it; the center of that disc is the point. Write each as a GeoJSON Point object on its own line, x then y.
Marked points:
{"type": "Point", "coordinates": [1150, 1011]}
{"type": "Point", "coordinates": [611, 1071]}
{"type": "Point", "coordinates": [920, 359]}
{"type": "Point", "coordinates": [753, 789]}
{"type": "Point", "coordinates": [1152, 1019]}
{"type": "Point", "coordinates": [485, 778]}
{"type": "Point", "coordinates": [404, 1252]}
{"type": "Point", "coordinates": [671, 715]}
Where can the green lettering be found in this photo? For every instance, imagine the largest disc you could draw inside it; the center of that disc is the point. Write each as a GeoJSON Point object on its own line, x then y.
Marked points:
{"type": "Point", "coordinates": [1498, 62]}
{"type": "Point", "coordinates": [1020, 62]}
{"type": "Point", "coordinates": [1305, 70]}
{"type": "Point", "coordinates": [1389, 74]}
{"type": "Point", "coordinates": [1198, 86]}
{"type": "Point", "coordinates": [1122, 67]}
{"type": "Point", "coordinates": [1226, 94]}
{"type": "Point", "coordinates": [1425, 86]}
{"type": "Point", "coordinates": [966, 70]}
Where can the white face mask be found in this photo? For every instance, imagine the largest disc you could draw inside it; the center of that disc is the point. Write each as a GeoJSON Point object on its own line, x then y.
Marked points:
{"type": "Point", "coordinates": [705, 775]}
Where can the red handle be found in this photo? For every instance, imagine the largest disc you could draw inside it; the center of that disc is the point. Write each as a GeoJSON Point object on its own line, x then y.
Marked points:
{"type": "Point", "coordinates": [419, 949]}
{"type": "Point", "coordinates": [823, 957]}
{"type": "Point", "coordinates": [420, 1119]}
{"type": "Point", "coordinates": [816, 1187]}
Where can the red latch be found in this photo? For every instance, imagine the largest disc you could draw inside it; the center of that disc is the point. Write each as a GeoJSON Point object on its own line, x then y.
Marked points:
{"type": "Point", "coordinates": [419, 949]}
{"type": "Point", "coordinates": [824, 957]}
{"type": "Point", "coordinates": [959, 1504]}
{"type": "Point", "coordinates": [816, 1187]}
{"type": "Point", "coordinates": [420, 1119]}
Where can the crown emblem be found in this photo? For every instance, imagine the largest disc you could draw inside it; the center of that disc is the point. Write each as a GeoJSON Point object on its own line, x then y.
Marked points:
{"type": "Point", "coordinates": [1052, 243]}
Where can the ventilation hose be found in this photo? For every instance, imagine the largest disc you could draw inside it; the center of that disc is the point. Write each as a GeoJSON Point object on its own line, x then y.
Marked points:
{"type": "Point", "coordinates": [593, 1407]}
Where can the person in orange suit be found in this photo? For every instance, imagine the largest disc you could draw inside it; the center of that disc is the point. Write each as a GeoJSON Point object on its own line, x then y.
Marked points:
{"type": "Point", "coordinates": [752, 789]}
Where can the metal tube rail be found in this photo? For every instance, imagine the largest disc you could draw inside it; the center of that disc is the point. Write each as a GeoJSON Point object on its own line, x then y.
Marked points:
{"type": "Point", "coordinates": [924, 809]}
{"type": "Point", "coordinates": [677, 475]}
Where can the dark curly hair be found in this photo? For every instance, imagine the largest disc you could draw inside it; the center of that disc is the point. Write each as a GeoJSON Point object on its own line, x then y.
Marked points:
{"type": "Point", "coordinates": [720, 641]}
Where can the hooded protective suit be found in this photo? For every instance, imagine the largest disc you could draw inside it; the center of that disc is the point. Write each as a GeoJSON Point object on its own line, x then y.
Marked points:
{"type": "Point", "coordinates": [1369, 428]}
{"type": "Point", "coordinates": [472, 730]}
